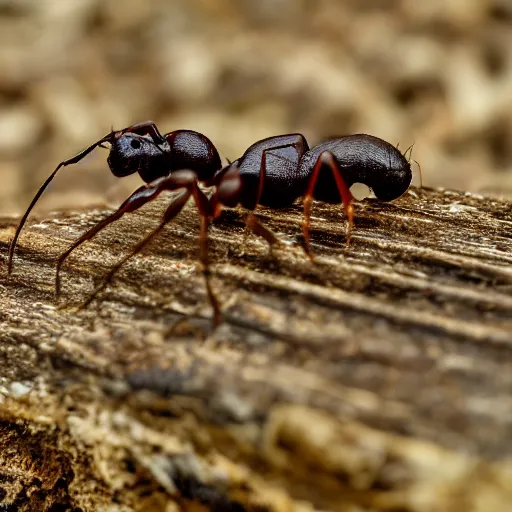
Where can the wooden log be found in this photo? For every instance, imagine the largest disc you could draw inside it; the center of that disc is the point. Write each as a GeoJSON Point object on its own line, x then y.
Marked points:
{"type": "Point", "coordinates": [377, 379]}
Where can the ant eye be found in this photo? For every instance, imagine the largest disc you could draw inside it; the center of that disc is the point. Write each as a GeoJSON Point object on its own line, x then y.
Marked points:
{"type": "Point", "coordinates": [135, 143]}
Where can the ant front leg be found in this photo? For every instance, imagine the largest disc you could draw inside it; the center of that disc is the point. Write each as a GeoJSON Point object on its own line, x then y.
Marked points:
{"type": "Point", "coordinates": [179, 179]}
{"type": "Point", "coordinates": [326, 158]}
{"type": "Point", "coordinates": [139, 198]}
{"type": "Point", "coordinates": [172, 211]}
{"type": "Point", "coordinates": [144, 128]}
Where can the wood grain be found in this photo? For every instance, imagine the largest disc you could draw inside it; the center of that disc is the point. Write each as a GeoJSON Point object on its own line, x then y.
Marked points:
{"type": "Point", "coordinates": [378, 378]}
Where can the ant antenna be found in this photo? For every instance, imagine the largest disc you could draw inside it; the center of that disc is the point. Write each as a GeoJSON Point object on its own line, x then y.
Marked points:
{"type": "Point", "coordinates": [410, 151]}
{"type": "Point", "coordinates": [107, 138]}
{"type": "Point", "coordinates": [419, 169]}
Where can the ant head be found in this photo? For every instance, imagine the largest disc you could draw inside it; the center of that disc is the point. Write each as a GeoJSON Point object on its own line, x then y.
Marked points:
{"type": "Point", "coordinates": [131, 153]}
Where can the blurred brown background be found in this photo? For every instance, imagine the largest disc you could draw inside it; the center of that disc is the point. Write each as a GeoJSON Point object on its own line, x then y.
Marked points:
{"type": "Point", "coordinates": [434, 72]}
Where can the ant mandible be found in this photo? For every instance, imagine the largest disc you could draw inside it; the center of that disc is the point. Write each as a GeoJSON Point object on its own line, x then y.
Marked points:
{"type": "Point", "coordinates": [273, 172]}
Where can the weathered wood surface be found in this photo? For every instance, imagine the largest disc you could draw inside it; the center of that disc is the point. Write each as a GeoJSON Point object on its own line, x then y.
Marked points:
{"type": "Point", "coordinates": [379, 378]}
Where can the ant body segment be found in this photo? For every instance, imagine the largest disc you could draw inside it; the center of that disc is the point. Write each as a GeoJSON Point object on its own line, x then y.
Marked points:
{"type": "Point", "coordinates": [273, 172]}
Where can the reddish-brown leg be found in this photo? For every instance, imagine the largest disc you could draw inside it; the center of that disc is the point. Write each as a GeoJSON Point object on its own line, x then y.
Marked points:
{"type": "Point", "coordinates": [326, 158]}
{"type": "Point", "coordinates": [208, 209]}
{"type": "Point", "coordinates": [252, 222]}
{"type": "Point", "coordinates": [205, 267]}
{"type": "Point", "coordinates": [138, 199]}
{"type": "Point", "coordinates": [258, 228]}
{"type": "Point", "coordinates": [69, 161]}
{"type": "Point", "coordinates": [143, 128]}
{"type": "Point", "coordinates": [181, 179]}
{"type": "Point", "coordinates": [172, 211]}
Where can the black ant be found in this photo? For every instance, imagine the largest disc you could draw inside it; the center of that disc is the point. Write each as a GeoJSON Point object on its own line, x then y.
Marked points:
{"type": "Point", "coordinates": [273, 172]}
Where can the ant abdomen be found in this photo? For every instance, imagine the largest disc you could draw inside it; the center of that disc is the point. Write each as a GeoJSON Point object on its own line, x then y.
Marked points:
{"type": "Point", "coordinates": [362, 159]}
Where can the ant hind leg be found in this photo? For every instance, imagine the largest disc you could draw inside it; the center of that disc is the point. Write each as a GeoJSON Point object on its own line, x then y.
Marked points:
{"type": "Point", "coordinates": [326, 158]}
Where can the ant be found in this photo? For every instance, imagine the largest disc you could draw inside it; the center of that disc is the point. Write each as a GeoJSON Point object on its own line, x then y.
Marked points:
{"type": "Point", "coordinates": [273, 172]}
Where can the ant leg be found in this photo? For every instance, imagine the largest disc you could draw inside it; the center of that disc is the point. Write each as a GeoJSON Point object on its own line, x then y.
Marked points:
{"type": "Point", "coordinates": [326, 158]}
{"type": "Point", "coordinates": [180, 179]}
{"type": "Point", "coordinates": [144, 128]}
{"type": "Point", "coordinates": [131, 204]}
{"type": "Point", "coordinates": [205, 267]}
{"type": "Point", "coordinates": [255, 225]}
{"type": "Point", "coordinates": [69, 161]}
{"type": "Point", "coordinates": [252, 222]}
{"type": "Point", "coordinates": [172, 211]}
{"type": "Point", "coordinates": [228, 188]}
{"type": "Point", "coordinates": [138, 199]}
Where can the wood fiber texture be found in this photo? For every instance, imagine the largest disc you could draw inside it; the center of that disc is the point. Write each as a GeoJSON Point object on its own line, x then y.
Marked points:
{"type": "Point", "coordinates": [377, 379]}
